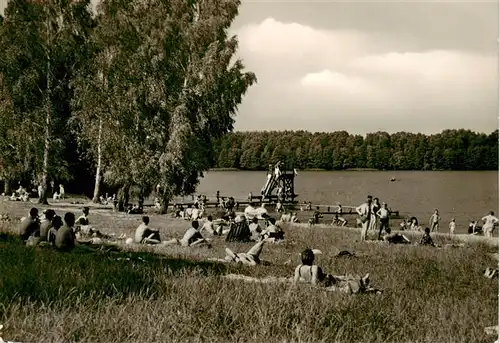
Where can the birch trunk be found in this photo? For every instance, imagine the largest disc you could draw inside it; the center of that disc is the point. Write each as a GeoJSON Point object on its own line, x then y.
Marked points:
{"type": "Point", "coordinates": [98, 176]}
{"type": "Point", "coordinates": [46, 148]}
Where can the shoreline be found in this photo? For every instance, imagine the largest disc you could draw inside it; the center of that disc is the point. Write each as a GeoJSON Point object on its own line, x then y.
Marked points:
{"type": "Point", "coordinates": [349, 170]}
{"type": "Point", "coordinates": [462, 237]}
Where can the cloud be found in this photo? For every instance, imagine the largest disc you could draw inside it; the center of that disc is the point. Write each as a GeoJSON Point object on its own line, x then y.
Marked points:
{"type": "Point", "coordinates": [370, 76]}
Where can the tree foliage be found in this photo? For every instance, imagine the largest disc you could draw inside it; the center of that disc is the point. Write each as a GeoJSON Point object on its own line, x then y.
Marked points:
{"type": "Point", "coordinates": [175, 87]}
{"type": "Point", "coordinates": [42, 44]}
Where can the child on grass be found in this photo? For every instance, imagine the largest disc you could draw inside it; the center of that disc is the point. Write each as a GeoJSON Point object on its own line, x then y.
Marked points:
{"type": "Point", "coordinates": [145, 235]}
{"type": "Point", "coordinates": [452, 226]}
{"type": "Point", "coordinates": [426, 238]}
{"type": "Point", "coordinates": [65, 236]}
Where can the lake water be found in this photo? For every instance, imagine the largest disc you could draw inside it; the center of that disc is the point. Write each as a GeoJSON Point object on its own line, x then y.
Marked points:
{"type": "Point", "coordinates": [461, 195]}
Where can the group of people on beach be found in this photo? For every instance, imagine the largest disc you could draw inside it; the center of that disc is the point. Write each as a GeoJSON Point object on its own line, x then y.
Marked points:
{"type": "Point", "coordinates": [23, 194]}
{"type": "Point", "coordinates": [51, 229]}
{"type": "Point", "coordinates": [254, 225]}
{"type": "Point", "coordinates": [371, 215]}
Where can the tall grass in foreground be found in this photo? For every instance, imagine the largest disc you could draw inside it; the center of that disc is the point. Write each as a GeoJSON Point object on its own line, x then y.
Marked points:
{"type": "Point", "coordinates": [431, 295]}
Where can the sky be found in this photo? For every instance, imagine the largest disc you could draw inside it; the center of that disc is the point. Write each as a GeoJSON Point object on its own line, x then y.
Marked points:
{"type": "Point", "coordinates": [415, 66]}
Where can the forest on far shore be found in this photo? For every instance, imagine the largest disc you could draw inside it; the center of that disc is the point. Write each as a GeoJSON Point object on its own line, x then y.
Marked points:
{"type": "Point", "coordinates": [448, 150]}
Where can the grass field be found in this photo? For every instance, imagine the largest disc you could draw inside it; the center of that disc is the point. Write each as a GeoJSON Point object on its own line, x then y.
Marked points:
{"type": "Point", "coordinates": [172, 294]}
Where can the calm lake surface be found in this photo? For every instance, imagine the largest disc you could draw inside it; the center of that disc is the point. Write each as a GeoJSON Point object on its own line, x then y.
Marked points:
{"type": "Point", "coordinates": [460, 195]}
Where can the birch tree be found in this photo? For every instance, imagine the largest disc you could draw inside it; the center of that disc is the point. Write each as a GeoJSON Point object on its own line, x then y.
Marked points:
{"type": "Point", "coordinates": [177, 86]}
{"type": "Point", "coordinates": [42, 42]}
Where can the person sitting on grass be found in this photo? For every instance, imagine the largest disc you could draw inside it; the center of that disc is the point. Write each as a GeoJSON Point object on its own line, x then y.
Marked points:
{"type": "Point", "coordinates": [196, 213]}
{"type": "Point", "coordinates": [83, 227]}
{"type": "Point", "coordinates": [239, 231]}
{"type": "Point", "coordinates": [472, 227]}
{"type": "Point", "coordinates": [294, 218]}
{"type": "Point", "coordinates": [146, 235]}
{"type": "Point", "coordinates": [65, 236]}
{"type": "Point", "coordinates": [286, 217]}
{"type": "Point", "coordinates": [255, 229]}
{"type": "Point", "coordinates": [339, 221]}
{"type": "Point", "coordinates": [84, 218]}
{"type": "Point", "coordinates": [250, 258]}
{"type": "Point", "coordinates": [426, 238]}
{"type": "Point", "coordinates": [307, 271]}
{"type": "Point", "coordinates": [179, 211]}
{"type": "Point", "coordinates": [46, 224]}
{"type": "Point", "coordinates": [316, 216]}
{"type": "Point", "coordinates": [188, 212]}
{"type": "Point", "coordinates": [192, 237]}
{"type": "Point", "coordinates": [56, 224]}
{"type": "Point", "coordinates": [208, 226]}
{"type": "Point", "coordinates": [30, 226]}
{"type": "Point", "coordinates": [395, 238]}
{"type": "Point", "coordinates": [272, 232]}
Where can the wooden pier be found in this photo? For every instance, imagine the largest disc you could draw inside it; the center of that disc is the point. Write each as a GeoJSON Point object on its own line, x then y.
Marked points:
{"type": "Point", "coordinates": [270, 202]}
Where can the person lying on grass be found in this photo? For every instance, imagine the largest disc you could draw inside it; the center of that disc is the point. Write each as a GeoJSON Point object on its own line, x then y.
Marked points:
{"type": "Point", "coordinates": [191, 238]}
{"type": "Point", "coordinates": [395, 238]}
{"type": "Point", "coordinates": [146, 235]}
{"type": "Point", "coordinates": [309, 273]}
{"type": "Point", "coordinates": [65, 236]}
{"type": "Point", "coordinates": [250, 258]}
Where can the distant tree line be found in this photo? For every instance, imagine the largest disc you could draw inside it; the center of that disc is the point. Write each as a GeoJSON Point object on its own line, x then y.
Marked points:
{"type": "Point", "coordinates": [448, 150]}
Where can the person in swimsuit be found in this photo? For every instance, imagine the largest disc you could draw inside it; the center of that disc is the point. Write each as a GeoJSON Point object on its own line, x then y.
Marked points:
{"type": "Point", "coordinates": [396, 238]}
{"type": "Point", "coordinates": [383, 214]}
{"type": "Point", "coordinates": [452, 226]}
{"type": "Point", "coordinates": [375, 209]}
{"type": "Point", "coordinates": [146, 235]}
{"type": "Point", "coordinates": [489, 223]}
{"type": "Point", "coordinates": [434, 221]}
{"type": "Point", "coordinates": [307, 271]}
{"type": "Point", "coordinates": [192, 237]}
{"type": "Point", "coordinates": [366, 216]}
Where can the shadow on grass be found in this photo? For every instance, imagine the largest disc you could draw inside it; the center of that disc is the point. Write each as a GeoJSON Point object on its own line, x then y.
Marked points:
{"type": "Point", "coordinates": [43, 274]}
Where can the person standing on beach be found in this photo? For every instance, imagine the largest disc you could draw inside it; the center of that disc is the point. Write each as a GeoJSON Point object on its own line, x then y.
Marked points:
{"type": "Point", "coordinates": [489, 223]}
{"type": "Point", "coordinates": [375, 209]}
{"type": "Point", "coordinates": [61, 191]}
{"type": "Point", "coordinates": [365, 212]}
{"type": "Point", "coordinates": [383, 214]}
{"type": "Point", "coordinates": [434, 221]}
{"type": "Point", "coordinates": [452, 226]}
